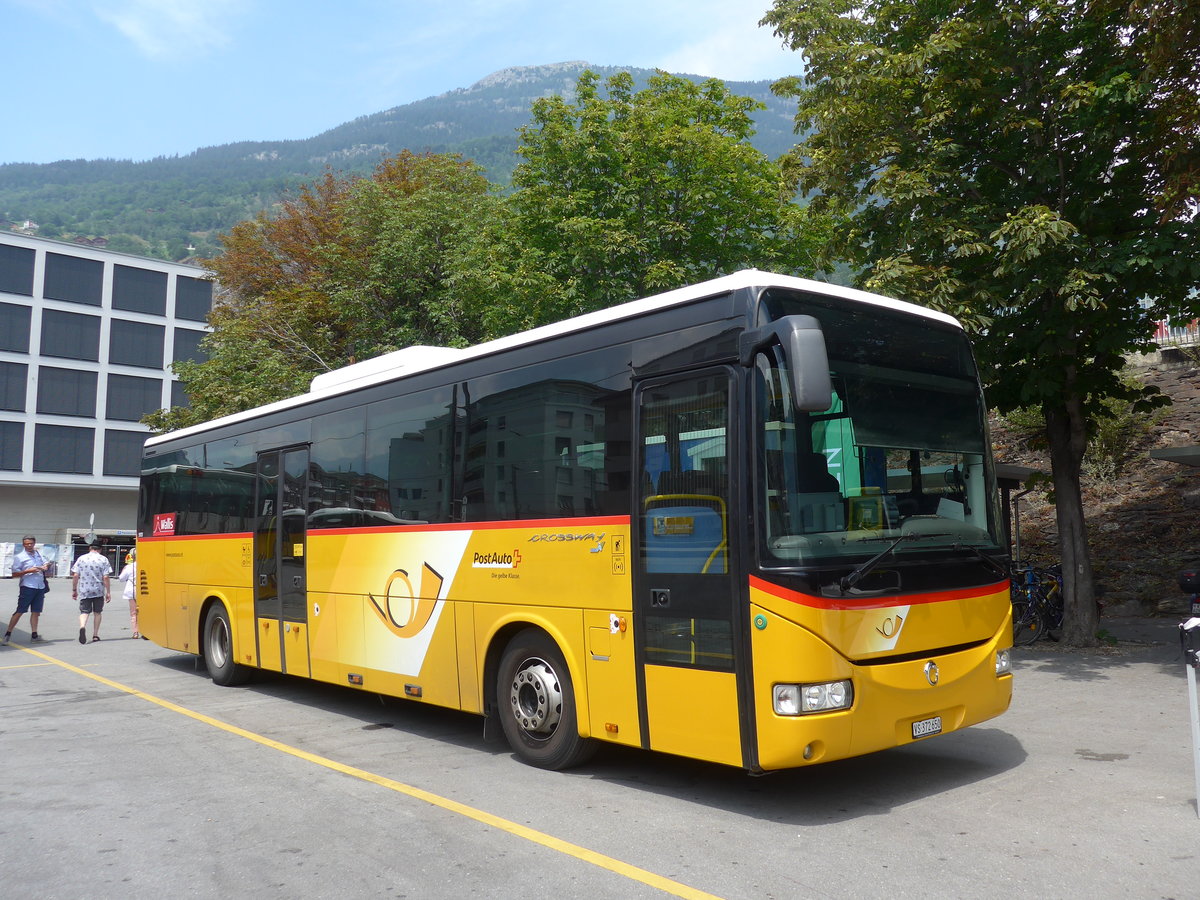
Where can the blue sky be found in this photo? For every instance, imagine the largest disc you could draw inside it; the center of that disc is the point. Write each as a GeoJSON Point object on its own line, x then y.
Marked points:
{"type": "Point", "coordinates": [135, 79]}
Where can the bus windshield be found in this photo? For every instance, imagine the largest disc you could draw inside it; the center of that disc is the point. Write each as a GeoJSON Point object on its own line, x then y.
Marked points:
{"type": "Point", "coordinates": [900, 456]}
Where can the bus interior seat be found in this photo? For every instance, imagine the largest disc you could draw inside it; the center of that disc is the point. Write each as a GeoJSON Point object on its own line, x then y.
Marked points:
{"type": "Point", "coordinates": [686, 523]}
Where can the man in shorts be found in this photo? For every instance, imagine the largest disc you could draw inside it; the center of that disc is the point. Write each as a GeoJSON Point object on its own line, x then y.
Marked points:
{"type": "Point", "coordinates": [90, 586]}
{"type": "Point", "coordinates": [31, 567]}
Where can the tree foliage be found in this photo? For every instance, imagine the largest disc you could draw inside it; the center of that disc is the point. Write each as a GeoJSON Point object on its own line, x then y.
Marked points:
{"type": "Point", "coordinates": [622, 193]}
{"type": "Point", "coordinates": [1026, 165]}
{"type": "Point", "coordinates": [350, 268]}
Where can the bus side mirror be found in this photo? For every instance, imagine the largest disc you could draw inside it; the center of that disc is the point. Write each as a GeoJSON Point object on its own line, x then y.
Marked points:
{"type": "Point", "coordinates": [808, 362]}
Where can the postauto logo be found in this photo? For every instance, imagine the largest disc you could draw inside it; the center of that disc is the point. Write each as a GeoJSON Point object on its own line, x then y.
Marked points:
{"type": "Point", "coordinates": [496, 560]}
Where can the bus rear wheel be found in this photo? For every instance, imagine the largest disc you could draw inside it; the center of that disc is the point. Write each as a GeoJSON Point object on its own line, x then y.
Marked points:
{"type": "Point", "coordinates": [218, 649]}
{"type": "Point", "coordinates": [536, 703]}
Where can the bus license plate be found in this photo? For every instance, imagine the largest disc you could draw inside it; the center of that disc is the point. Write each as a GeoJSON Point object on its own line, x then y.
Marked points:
{"type": "Point", "coordinates": [926, 727]}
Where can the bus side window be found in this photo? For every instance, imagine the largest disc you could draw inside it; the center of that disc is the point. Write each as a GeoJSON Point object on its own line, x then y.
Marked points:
{"type": "Point", "coordinates": [685, 516]}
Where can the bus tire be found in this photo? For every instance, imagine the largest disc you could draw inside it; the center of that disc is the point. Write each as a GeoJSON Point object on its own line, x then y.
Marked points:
{"type": "Point", "coordinates": [536, 702]}
{"type": "Point", "coordinates": [218, 649]}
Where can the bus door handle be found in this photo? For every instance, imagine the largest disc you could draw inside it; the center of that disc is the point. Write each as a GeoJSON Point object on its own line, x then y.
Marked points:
{"type": "Point", "coordinates": [660, 597]}
{"type": "Point", "coordinates": [262, 580]}
{"type": "Point", "coordinates": [297, 581]}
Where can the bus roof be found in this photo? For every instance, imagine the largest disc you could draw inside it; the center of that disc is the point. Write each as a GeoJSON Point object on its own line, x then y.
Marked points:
{"type": "Point", "coordinates": [411, 360]}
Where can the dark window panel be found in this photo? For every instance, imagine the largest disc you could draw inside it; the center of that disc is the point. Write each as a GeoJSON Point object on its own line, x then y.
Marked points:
{"type": "Point", "coordinates": [13, 377]}
{"type": "Point", "coordinates": [123, 452]}
{"type": "Point", "coordinates": [130, 397]}
{"type": "Point", "coordinates": [139, 290]}
{"type": "Point", "coordinates": [187, 345]}
{"type": "Point", "coordinates": [64, 449]}
{"type": "Point", "coordinates": [407, 466]}
{"type": "Point", "coordinates": [14, 327]}
{"type": "Point", "coordinates": [74, 279]}
{"type": "Point", "coordinates": [193, 298]}
{"type": "Point", "coordinates": [16, 270]}
{"type": "Point", "coordinates": [563, 431]}
{"type": "Point", "coordinates": [12, 437]}
{"type": "Point", "coordinates": [337, 466]}
{"type": "Point", "coordinates": [70, 335]}
{"type": "Point", "coordinates": [135, 344]}
{"type": "Point", "coordinates": [66, 392]}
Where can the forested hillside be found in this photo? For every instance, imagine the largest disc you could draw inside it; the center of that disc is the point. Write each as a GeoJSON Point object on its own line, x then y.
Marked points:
{"type": "Point", "coordinates": [175, 207]}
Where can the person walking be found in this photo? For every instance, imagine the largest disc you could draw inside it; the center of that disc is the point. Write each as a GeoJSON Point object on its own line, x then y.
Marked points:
{"type": "Point", "coordinates": [30, 566]}
{"type": "Point", "coordinates": [129, 577]}
{"type": "Point", "coordinates": [91, 586]}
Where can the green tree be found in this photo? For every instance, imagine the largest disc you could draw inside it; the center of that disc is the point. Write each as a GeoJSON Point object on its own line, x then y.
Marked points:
{"type": "Point", "coordinates": [622, 193]}
{"type": "Point", "coordinates": [409, 232]}
{"type": "Point", "coordinates": [1026, 165]}
{"type": "Point", "coordinates": [349, 268]}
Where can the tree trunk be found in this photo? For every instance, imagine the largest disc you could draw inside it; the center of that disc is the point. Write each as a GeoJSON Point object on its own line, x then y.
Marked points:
{"type": "Point", "coordinates": [1067, 435]}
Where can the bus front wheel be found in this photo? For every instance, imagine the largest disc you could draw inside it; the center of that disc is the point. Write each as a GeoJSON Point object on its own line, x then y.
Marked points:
{"type": "Point", "coordinates": [536, 703]}
{"type": "Point", "coordinates": [218, 649]}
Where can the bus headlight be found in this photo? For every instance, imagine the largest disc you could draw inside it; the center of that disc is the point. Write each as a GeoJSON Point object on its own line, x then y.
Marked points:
{"type": "Point", "coordinates": [1003, 663]}
{"type": "Point", "coordinates": [801, 699]}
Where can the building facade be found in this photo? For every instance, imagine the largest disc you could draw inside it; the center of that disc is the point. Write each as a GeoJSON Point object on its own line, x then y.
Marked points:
{"type": "Point", "coordinates": [87, 339]}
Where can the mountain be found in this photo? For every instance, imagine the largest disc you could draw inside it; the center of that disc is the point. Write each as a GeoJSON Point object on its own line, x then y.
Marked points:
{"type": "Point", "coordinates": [174, 207]}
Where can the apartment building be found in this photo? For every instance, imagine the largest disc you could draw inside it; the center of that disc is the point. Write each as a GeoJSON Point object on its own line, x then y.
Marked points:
{"type": "Point", "coordinates": [87, 339]}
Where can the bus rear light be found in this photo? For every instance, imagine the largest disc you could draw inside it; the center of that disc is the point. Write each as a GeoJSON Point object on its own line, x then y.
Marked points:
{"type": "Point", "coordinates": [802, 699]}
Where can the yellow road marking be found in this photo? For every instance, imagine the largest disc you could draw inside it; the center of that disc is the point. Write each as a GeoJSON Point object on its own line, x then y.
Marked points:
{"type": "Point", "coordinates": [24, 666]}
{"type": "Point", "coordinates": [627, 870]}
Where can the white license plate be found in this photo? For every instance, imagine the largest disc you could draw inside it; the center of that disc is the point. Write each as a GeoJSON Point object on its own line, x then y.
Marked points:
{"type": "Point", "coordinates": [926, 727]}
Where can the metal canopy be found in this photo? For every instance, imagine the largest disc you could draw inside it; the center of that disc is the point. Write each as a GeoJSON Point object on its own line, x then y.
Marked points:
{"type": "Point", "coordinates": [1185, 456]}
{"type": "Point", "coordinates": [1014, 475]}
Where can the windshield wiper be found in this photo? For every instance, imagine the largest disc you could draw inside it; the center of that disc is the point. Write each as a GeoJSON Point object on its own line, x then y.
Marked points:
{"type": "Point", "coordinates": [987, 560]}
{"type": "Point", "coordinates": [848, 582]}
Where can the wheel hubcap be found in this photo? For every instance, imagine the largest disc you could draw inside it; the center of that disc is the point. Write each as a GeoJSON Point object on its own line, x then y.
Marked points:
{"type": "Point", "coordinates": [218, 644]}
{"type": "Point", "coordinates": [535, 697]}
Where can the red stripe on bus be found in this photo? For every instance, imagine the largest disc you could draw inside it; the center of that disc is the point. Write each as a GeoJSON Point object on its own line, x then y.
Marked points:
{"type": "Point", "coordinates": [874, 602]}
{"type": "Point", "coordinates": [243, 535]}
{"type": "Point", "coordinates": [562, 524]}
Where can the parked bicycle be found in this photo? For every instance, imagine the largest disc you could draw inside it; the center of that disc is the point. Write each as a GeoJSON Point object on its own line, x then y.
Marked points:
{"type": "Point", "coordinates": [1037, 603]}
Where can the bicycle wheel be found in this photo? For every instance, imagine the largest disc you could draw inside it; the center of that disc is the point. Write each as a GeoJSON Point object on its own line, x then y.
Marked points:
{"type": "Point", "coordinates": [1028, 624]}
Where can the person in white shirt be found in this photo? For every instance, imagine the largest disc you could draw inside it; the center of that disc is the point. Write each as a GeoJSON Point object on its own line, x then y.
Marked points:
{"type": "Point", "coordinates": [90, 585]}
{"type": "Point", "coordinates": [129, 577]}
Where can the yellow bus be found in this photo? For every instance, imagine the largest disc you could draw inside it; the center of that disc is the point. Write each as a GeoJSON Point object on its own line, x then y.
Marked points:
{"type": "Point", "coordinates": [753, 521]}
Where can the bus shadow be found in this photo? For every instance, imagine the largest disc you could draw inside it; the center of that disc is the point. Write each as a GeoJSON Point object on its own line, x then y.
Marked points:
{"type": "Point", "coordinates": [831, 792]}
{"type": "Point", "coordinates": [363, 709]}
{"type": "Point", "coordinates": [838, 791]}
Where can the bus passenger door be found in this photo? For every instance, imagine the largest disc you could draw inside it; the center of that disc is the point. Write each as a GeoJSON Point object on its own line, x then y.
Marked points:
{"type": "Point", "coordinates": [684, 590]}
{"type": "Point", "coordinates": [280, 554]}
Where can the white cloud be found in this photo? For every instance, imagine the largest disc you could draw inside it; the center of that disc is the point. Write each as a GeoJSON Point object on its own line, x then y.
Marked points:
{"type": "Point", "coordinates": [165, 28]}
{"type": "Point", "coordinates": [734, 47]}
